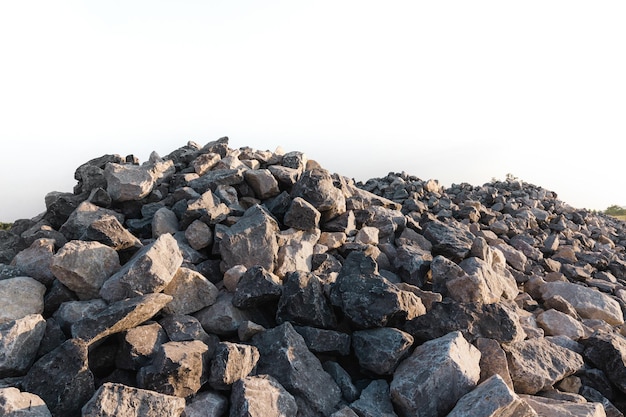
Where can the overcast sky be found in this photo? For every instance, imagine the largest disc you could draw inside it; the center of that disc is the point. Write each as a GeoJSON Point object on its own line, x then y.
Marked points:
{"type": "Point", "coordinates": [458, 91]}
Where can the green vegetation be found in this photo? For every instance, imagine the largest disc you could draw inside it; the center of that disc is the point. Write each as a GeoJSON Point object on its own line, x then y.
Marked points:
{"type": "Point", "coordinates": [5, 226]}
{"type": "Point", "coordinates": [616, 211]}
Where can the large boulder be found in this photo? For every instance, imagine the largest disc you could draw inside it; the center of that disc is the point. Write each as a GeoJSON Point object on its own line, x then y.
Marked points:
{"type": "Point", "coordinates": [19, 297]}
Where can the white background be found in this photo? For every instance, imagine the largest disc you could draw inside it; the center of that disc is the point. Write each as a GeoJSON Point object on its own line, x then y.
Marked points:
{"type": "Point", "coordinates": [459, 91]}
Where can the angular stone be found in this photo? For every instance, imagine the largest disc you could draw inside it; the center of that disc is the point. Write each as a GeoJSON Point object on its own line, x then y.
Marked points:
{"type": "Point", "coordinates": [374, 401]}
{"type": "Point", "coordinates": [232, 362]}
{"type": "Point", "coordinates": [190, 292]}
{"type": "Point", "coordinates": [164, 221]}
{"type": "Point", "coordinates": [436, 375]}
{"type": "Point", "coordinates": [14, 403]}
{"type": "Point", "coordinates": [182, 328]}
{"type": "Point", "coordinates": [369, 300]}
{"type": "Point", "coordinates": [303, 302]}
{"type": "Point", "coordinates": [588, 302]}
{"type": "Point", "coordinates": [199, 235]}
{"type": "Point", "coordinates": [256, 286]}
{"type": "Point", "coordinates": [251, 241]}
{"type": "Point", "coordinates": [149, 271]}
{"type": "Point", "coordinates": [222, 317]}
{"type": "Point", "coordinates": [555, 323]}
{"type": "Point", "coordinates": [19, 297]}
{"type": "Point", "coordinates": [262, 182]}
{"type": "Point", "coordinates": [128, 182]}
{"type": "Point", "coordinates": [207, 208]}
{"type": "Point", "coordinates": [261, 396]}
{"type": "Point", "coordinates": [547, 407]}
{"type": "Point", "coordinates": [35, 261]}
{"type": "Point", "coordinates": [19, 342]}
{"type": "Point", "coordinates": [212, 179]}
{"type": "Point", "coordinates": [381, 350]}
{"type": "Point", "coordinates": [454, 243]}
{"type": "Point", "coordinates": [316, 186]}
{"type": "Point", "coordinates": [536, 364]}
{"type": "Point", "coordinates": [493, 360]}
{"type": "Point", "coordinates": [178, 368]}
{"type": "Point", "coordinates": [481, 283]}
{"type": "Point", "coordinates": [296, 248]}
{"type": "Point", "coordinates": [207, 404]}
{"type": "Point", "coordinates": [119, 316]}
{"type": "Point", "coordinates": [302, 215]}
{"type": "Point", "coordinates": [108, 230]}
{"type": "Point", "coordinates": [62, 378]}
{"type": "Point", "coordinates": [514, 257]}
{"type": "Point", "coordinates": [325, 341]}
{"type": "Point", "coordinates": [493, 397]}
{"type": "Point", "coordinates": [83, 267]}
{"type": "Point", "coordinates": [284, 356]}
{"type": "Point", "coordinates": [495, 321]}
{"type": "Point", "coordinates": [349, 391]}
{"type": "Point", "coordinates": [81, 219]}
{"type": "Point", "coordinates": [70, 312]}
{"type": "Point", "coordinates": [139, 345]}
{"type": "Point", "coordinates": [113, 400]}
{"type": "Point", "coordinates": [413, 263]}
{"type": "Point", "coordinates": [607, 351]}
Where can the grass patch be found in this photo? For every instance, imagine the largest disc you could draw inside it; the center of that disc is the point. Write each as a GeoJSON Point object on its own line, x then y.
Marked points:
{"type": "Point", "coordinates": [5, 226]}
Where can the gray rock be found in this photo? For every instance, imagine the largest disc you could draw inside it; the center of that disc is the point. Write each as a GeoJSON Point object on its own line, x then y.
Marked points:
{"type": "Point", "coordinates": [128, 182]}
{"type": "Point", "coordinates": [325, 341]}
{"type": "Point", "coordinates": [607, 351]}
{"type": "Point", "coordinates": [303, 302]}
{"type": "Point", "coordinates": [493, 360]}
{"type": "Point", "coordinates": [349, 391]}
{"type": "Point", "coordinates": [547, 407]}
{"type": "Point", "coordinates": [207, 208]}
{"type": "Point", "coordinates": [588, 302]}
{"type": "Point", "coordinates": [164, 221]}
{"type": "Point", "coordinates": [454, 243]}
{"type": "Point", "coordinates": [374, 401]}
{"type": "Point", "coordinates": [232, 362]}
{"type": "Point", "coordinates": [150, 270]}
{"type": "Point", "coordinates": [302, 215]}
{"type": "Point", "coordinates": [555, 323]}
{"type": "Point", "coordinates": [62, 378]}
{"type": "Point", "coordinates": [108, 230]}
{"type": "Point", "coordinates": [190, 291]}
{"type": "Point", "coordinates": [262, 182]}
{"type": "Point", "coordinates": [493, 397]}
{"type": "Point", "coordinates": [119, 316]}
{"type": "Point", "coordinates": [199, 235]}
{"type": "Point", "coordinates": [536, 364]}
{"type": "Point", "coordinates": [35, 261]}
{"type": "Point", "coordinates": [216, 177]}
{"type": "Point", "coordinates": [285, 356]}
{"type": "Point", "coordinates": [83, 267]}
{"type": "Point", "coordinates": [296, 248]}
{"type": "Point", "coordinates": [207, 404]}
{"type": "Point", "coordinates": [139, 345]}
{"type": "Point", "coordinates": [181, 328]}
{"type": "Point", "coordinates": [436, 375]}
{"type": "Point", "coordinates": [381, 350]}
{"type": "Point", "coordinates": [178, 368]}
{"type": "Point", "coordinates": [113, 400]}
{"type": "Point", "coordinates": [256, 287]}
{"type": "Point", "coordinates": [19, 342]}
{"type": "Point", "coordinates": [82, 218]}
{"type": "Point", "coordinates": [20, 297]}
{"type": "Point", "coordinates": [261, 396]}
{"type": "Point", "coordinates": [251, 241]}
{"type": "Point", "coordinates": [14, 403]}
{"type": "Point", "coordinates": [222, 317]}
{"type": "Point", "coordinates": [316, 186]}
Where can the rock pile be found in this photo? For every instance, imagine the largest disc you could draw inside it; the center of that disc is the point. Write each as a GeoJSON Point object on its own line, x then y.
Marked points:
{"type": "Point", "coordinates": [237, 282]}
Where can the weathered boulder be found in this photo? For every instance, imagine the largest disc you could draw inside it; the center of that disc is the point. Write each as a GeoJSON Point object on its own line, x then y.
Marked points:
{"type": "Point", "coordinates": [222, 317]}
{"type": "Point", "coordinates": [83, 267]}
{"type": "Point", "coordinates": [251, 241]}
{"type": "Point", "coordinates": [316, 186]}
{"type": "Point", "coordinates": [14, 403]}
{"type": "Point", "coordinates": [607, 351]}
{"type": "Point", "coordinates": [296, 248]}
{"type": "Point", "coordinates": [190, 291]}
{"type": "Point", "coordinates": [493, 397]}
{"type": "Point", "coordinates": [380, 350]}
{"type": "Point", "coordinates": [149, 271]}
{"type": "Point", "coordinates": [454, 243]}
{"type": "Point", "coordinates": [536, 364]}
{"type": "Point", "coordinates": [108, 230]}
{"type": "Point", "coordinates": [128, 182]}
{"type": "Point", "coordinates": [325, 341]}
{"type": "Point", "coordinates": [139, 345]}
{"type": "Point", "coordinates": [19, 297]}
{"type": "Point", "coordinates": [302, 215]}
{"type": "Point", "coordinates": [79, 222]}
{"type": "Point", "coordinates": [261, 396]}
{"type": "Point", "coordinates": [113, 400]}
{"type": "Point", "coordinates": [436, 375]}
{"type": "Point", "coordinates": [62, 378]}
{"type": "Point", "coordinates": [178, 369]}
{"type": "Point", "coordinates": [374, 401]}
{"type": "Point", "coordinates": [548, 407]}
{"type": "Point", "coordinates": [255, 287]}
{"type": "Point", "coordinates": [35, 261]}
{"type": "Point", "coordinates": [232, 362]}
{"type": "Point", "coordinates": [555, 323]}
{"type": "Point", "coordinates": [19, 343]}
{"type": "Point", "coordinates": [303, 302]}
{"type": "Point", "coordinates": [119, 316]}
{"type": "Point", "coordinates": [285, 356]}
{"type": "Point", "coordinates": [588, 302]}
{"type": "Point", "coordinates": [207, 404]}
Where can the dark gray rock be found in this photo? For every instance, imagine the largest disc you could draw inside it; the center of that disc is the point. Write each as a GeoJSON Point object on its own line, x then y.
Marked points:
{"type": "Point", "coordinates": [324, 341]}
{"type": "Point", "coordinates": [19, 342]}
{"type": "Point", "coordinates": [232, 362]}
{"type": "Point", "coordinates": [607, 351]}
{"type": "Point", "coordinates": [454, 243]}
{"type": "Point", "coordinates": [381, 350]}
{"type": "Point", "coordinates": [256, 287]}
{"type": "Point", "coordinates": [374, 401]}
{"type": "Point", "coordinates": [303, 302]}
{"type": "Point", "coordinates": [285, 356]}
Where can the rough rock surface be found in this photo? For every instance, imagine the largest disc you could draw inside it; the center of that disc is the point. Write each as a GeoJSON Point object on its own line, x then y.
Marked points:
{"type": "Point", "coordinates": [219, 281]}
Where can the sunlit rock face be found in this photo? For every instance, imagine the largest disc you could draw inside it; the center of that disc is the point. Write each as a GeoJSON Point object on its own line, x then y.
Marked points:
{"type": "Point", "coordinates": [220, 281]}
